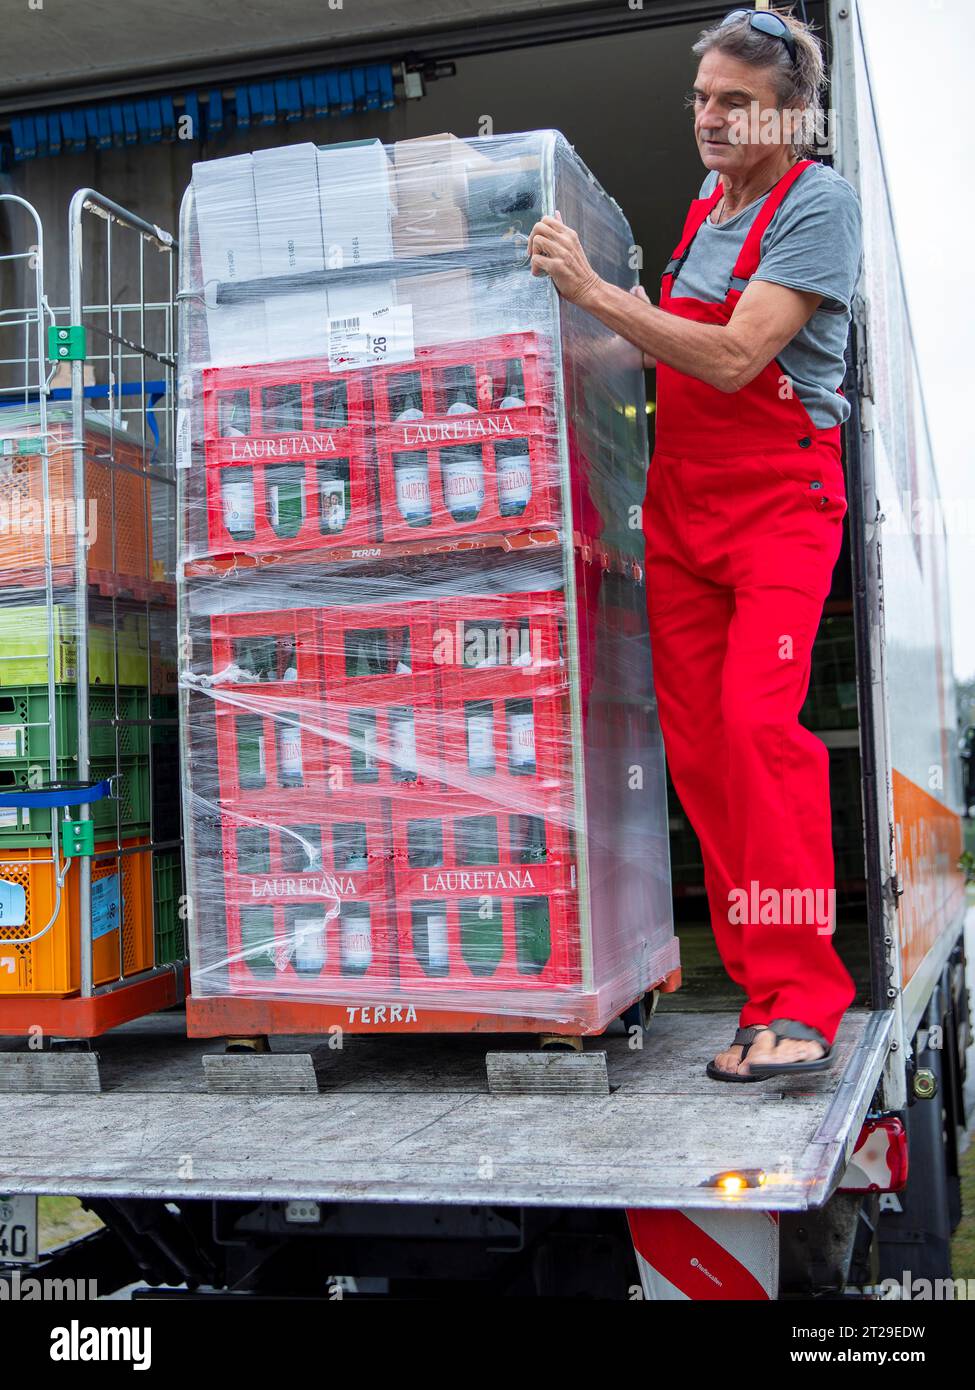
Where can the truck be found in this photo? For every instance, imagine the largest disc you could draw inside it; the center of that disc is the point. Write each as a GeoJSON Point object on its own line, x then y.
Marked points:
{"type": "Point", "coordinates": [435, 1166]}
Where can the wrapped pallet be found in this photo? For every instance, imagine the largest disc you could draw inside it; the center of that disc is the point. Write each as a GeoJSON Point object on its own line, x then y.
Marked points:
{"type": "Point", "coordinates": [425, 783]}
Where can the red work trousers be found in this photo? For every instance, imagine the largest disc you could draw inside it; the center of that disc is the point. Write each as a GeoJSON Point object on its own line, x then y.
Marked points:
{"type": "Point", "coordinates": [740, 552]}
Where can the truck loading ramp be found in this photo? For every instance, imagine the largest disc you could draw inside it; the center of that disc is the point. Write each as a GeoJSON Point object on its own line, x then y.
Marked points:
{"type": "Point", "coordinates": [411, 1119]}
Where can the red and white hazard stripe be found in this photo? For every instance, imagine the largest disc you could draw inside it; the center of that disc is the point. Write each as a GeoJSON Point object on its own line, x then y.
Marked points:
{"type": "Point", "coordinates": [706, 1254]}
{"type": "Point", "coordinates": [880, 1157]}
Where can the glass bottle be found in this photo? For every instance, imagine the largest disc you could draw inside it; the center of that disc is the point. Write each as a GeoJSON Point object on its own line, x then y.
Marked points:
{"type": "Point", "coordinates": [330, 405]}
{"type": "Point", "coordinates": [402, 728]}
{"type": "Point", "coordinates": [461, 392]}
{"type": "Point", "coordinates": [430, 940]}
{"type": "Point", "coordinates": [479, 728]}
{"type": "Point", "coordinates": [301, 849]}
{"type": "Point", "coordinates": [253, 849]}
{"type": "Point", "coordinates": [520, 720]}
{"type": "Point", "coordinates": [285, 484]}
{"type": "Point", "coordinates": [462, 467]}
{"type": "Point", "coordinates": [350, 847]}
{"type": "Point", "coordinates": [362, 745]}
{"type": "Point", "coordinates": [424, 843]}
{"type": "Point", "coordinates": [251, 763]}
{"type": "Point", "coordinates": [412, 479]}
{"type": "Point", "coordinates": [237, 501]}
{"type": "Point", "coordinates": [257, 941]}
{"type": "Point", "coordinates": [481, 922]}
{"type": "Point", "coordinates": [281, 408]}
{"type": "Point", "coordinates": [513, 395]}
{"type": "Point", "coordinates": [355, 935]}
{"type": "Point", "coordinates": [404, 662]}
{"type": "Point", "coordinates": [288, 744]}
{"type": "Point", "coordinates": [307, 932]}
{"type": "Point", "coordinates": [528, 839]}
{"type": "Point", "coordinates": [514, 471]}
{"type": "Point", "coordinates": [481, 934]}
{"type": "Point", "coordinates": [233, 414]}
{"type": "Point", "coordinates": [334, 503]}
{"type": "Point", "coordinates": [476, 840]}
{"type": "Point", "coordinates": [407, 402]}
{"type": "Point", "coordinates": [533, 935]}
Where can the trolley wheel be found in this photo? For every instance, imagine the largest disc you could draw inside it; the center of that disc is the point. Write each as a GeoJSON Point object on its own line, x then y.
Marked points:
{"type": "Point", "coordinates": [259, 1043]}
{"type": "Point", "coordinates": [71, 1045]}
{"type": "Point", "coordinates": [559, 1042]}
{"type": "Point", "coordinates": [638, 1015]}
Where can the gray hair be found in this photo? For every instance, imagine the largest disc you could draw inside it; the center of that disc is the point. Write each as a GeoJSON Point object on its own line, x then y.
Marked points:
{"type": "Point", "coordinates": [799, 87]}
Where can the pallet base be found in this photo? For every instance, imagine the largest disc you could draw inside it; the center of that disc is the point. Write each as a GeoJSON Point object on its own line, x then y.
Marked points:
{"type": "Point", "coordinates": [228, 1016]}
{"type": "Point", "coordinates": [71, 1016]}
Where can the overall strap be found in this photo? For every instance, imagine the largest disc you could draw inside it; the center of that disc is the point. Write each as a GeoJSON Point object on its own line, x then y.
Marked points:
{"type": "Point", "coordinates": [751, 251]}
{"type": "Point", "coordinates": [697, 215]}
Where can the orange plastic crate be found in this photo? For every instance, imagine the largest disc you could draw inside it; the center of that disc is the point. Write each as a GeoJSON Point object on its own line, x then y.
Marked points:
{"type": "Point", "coordinates": [52, 964]}
{"type": "Point", "coordinates": [118, 503]}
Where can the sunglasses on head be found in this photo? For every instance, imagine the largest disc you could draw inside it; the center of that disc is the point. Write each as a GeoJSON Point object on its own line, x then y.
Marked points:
{"type": "Point", "coordinates": [773, 26]}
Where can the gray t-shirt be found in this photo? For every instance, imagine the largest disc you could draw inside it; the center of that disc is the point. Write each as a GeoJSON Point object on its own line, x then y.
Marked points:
{"type": "Point", "coordinates": [814, 242]}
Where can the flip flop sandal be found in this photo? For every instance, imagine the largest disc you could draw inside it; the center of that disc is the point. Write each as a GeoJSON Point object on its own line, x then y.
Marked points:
{"type": "Point", "coordinates": [801, 1032]}
{"type": "Point", "coordinates": [743, 1038]}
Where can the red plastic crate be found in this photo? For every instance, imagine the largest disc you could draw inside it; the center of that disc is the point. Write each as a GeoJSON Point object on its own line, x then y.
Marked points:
{"type": "Point", "coordinates": [270, 732]}
{"type": "Point", "coordinates": [372, 749]}
{"type": "Point", "coordinates": [307, 893]}
{"type": "Point", "coordinates": [464, 925]}
{"type": "Point", "coordinates": [277, 430]}
{"type": "Point", "coordinates": [328, 729]}
{"type": "Point", "coordinates": [449, 482]}
{"type": "Point", "coordinates": [494, 746]}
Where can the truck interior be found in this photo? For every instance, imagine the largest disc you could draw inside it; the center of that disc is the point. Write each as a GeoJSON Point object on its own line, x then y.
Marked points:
{"type": "Point", "coordinates": [640, 145]}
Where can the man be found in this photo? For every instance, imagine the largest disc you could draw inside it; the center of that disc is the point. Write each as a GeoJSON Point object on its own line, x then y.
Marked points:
{"type": "Point", "coordinates": [744, 516]}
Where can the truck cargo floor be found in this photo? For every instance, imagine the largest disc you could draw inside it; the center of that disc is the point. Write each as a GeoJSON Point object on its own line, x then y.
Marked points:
{"type": "Point", "coordinates": [411, 1119]}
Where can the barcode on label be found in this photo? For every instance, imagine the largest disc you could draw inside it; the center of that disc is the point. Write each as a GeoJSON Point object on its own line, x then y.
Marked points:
{"type": "Point", "coordinates": [344, 325]}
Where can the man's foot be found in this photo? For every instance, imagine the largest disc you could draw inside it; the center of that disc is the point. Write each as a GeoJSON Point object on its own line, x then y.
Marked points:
{"type": "Point", "coordinates": [765, 1052]}
{"type": "Point", "coordinates": [730, 1060]}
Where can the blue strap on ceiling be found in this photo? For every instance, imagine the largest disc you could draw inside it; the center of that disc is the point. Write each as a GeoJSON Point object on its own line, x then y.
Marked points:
{"type": "Point", "coordinates": [154, 120]}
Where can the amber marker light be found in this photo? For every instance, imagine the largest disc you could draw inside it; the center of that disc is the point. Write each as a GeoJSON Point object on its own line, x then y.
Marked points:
{"type": "Point", "coordinates": [736, 1180]}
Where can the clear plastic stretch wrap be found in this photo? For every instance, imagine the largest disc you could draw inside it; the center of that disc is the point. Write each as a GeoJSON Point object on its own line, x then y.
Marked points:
{"type": "Point", "coordinates": [122, 621]}
{"type": "Point", "coordinates": [424, 770]}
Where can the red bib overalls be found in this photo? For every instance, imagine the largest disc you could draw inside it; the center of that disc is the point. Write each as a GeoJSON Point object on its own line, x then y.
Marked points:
{"type": "Point", "coordinates": [743, 522]}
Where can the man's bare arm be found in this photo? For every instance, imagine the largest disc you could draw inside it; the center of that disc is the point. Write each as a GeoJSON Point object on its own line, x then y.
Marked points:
{"type": "Point", "coordinates": [727, 356]}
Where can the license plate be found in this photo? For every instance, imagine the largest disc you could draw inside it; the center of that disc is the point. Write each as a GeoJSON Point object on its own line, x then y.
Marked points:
{"type": "Point", "coordinates": [18, 1230]}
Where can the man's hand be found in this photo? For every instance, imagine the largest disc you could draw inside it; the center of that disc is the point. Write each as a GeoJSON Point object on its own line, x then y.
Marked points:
{"type": "Point", "coordinates": [555, 251]}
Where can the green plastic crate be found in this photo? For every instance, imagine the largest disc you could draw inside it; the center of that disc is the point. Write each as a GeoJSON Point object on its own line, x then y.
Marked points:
{"type": "Point", "coordinates": [167, 888]}
{"type": "Point", "coordinates": [25, 722]}
{"type": "Point", "coordinates": [22, 826]}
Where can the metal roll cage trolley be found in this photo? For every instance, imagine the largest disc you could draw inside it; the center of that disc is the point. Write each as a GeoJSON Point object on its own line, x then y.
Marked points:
{"type": "Point", "coordinates": [90, 839]}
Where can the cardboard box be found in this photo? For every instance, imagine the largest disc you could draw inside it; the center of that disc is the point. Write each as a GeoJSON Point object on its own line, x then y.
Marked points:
{"type": "Point", "coordinates": [426, 230]}
{"type": "Point", "coordinates": [443, 306]}
{"type": "Point", "coordinates": [434, 170]}
{"type": "Point", "coordinates": [357, 203]}
{"type": "Point", "coordinates": [226, 211]}
{"type": "Point", "coordinates": [290, 229]}
{"type": "Point", "coordinates": [289, 223]}
{"type": "Point", "coordinates": [230, 251]}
